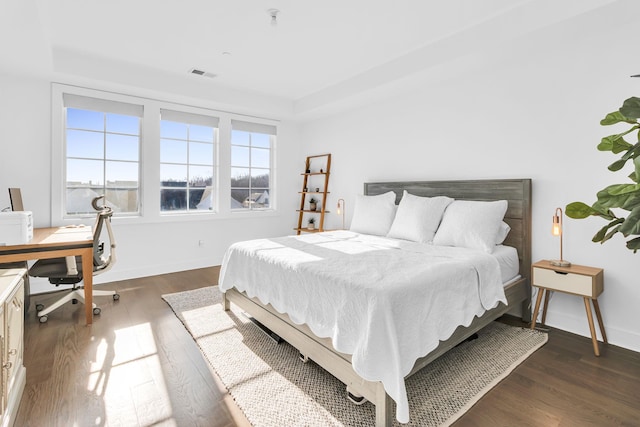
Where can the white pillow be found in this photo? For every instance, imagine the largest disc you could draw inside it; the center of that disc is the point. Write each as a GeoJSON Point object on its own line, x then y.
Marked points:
{"type": "Point", "coordinates": [374, 214]}
{"type": "Point", "coordinates": [417, 218]}
{"type": "Point", "coordinates": [503, 232]}
{"type": "Point", "coordinates": [471, 224]}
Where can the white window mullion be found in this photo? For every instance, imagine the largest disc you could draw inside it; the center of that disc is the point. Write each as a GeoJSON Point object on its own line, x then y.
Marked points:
{"type": "Point", "coordinates": [224, 158]}
{"type": "Point", "coordinates": [151, 161]}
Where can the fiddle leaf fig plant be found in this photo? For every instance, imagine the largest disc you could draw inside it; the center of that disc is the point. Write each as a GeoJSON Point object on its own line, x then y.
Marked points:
{"type": "Point", "coordinates": [622, 197]}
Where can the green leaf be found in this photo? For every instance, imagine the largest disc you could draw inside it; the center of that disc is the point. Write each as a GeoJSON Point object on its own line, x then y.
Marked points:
{"type": "Point", "coordinates": [634, 244]}
{"type": "Point", "coordinates": [617, 165]}
{"type": "Point", "coordinates": [632, 152]}
{"type": "Point", "coordinates": [611, 233]}
{"type": "Point", "coordinates": [579, 210]}
{"type": "Point", "coordinates": [617, 189]}
{"type": "Point", "coordinates": [606, 143]}
{"type": "Point", "coordinates": [632, 202]}
{"type": "Point", "coordinates": [607, 201]}
{"type": "Point", "coordinates": [613, 118]}
{"type": "Point", "coordinates": [603, 234]}
{"type": "Point", "coordinates": [616, 143]}
{"type": "Point", "coordinates": [603, 211]}
{"type": "Point", "coordinates": [600, 234]}
{"type": "Point", "coordinates": [620, 145]}
{"type": "Point", "coordinates": [632, 223]}
{"type": "Point", "coordinates": [631, 108]}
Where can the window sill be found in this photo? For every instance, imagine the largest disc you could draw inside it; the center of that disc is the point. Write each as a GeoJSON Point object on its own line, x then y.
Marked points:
{"type": "Point", "coordinates": [179, 217]}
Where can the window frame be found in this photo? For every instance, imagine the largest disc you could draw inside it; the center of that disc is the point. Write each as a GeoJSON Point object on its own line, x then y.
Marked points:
{"type": "Point", "coordinates": [191, 119]}
{"type": "Point", "coordinates": [251, 167]}
{"type": "Point", "coordinates": [149, 161]}
{"type": "Point", "coordinates": [104, 108]}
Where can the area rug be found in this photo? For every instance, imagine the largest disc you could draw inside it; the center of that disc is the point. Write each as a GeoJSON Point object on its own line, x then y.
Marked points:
{"type": "Point", "coordinates": [274, 388]}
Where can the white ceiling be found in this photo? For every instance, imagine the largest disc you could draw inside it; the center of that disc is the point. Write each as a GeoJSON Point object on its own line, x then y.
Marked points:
{"type": "Point", "coordinates": [318, 53]}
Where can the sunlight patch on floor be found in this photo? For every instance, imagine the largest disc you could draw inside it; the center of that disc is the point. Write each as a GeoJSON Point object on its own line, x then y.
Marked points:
{"type": "Point", "coordinates": [127, 373]}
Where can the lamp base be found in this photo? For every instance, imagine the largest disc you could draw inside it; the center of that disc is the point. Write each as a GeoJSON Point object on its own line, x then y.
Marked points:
{"type": "Point", "coordinates": [560, 263]}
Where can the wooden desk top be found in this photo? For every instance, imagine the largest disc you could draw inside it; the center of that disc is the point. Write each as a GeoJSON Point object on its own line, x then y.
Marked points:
{"type": "Point", "coordinates": [53, 237]}
{"type": "Point", "coordinates": [573, 268]}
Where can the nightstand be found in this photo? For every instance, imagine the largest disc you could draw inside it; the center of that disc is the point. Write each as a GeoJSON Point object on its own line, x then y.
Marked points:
{"type": "Point", "coordinates": [579, 280]}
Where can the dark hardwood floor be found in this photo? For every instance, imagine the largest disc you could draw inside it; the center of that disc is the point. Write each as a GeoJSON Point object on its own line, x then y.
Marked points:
{"type": "Point", "coordinates": [138, 366]}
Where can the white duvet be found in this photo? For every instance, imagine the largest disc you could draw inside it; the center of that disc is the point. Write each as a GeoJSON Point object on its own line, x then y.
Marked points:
{"type": "Point", "coordinates": [384, 301]}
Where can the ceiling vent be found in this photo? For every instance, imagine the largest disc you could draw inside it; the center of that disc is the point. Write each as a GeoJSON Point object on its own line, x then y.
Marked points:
{"type": "Point", "coordinates": [202, 73]}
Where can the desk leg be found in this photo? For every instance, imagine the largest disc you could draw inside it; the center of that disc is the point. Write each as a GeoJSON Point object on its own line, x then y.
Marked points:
{"type": "Point", "coordinates": [594, 338]}
{"type": "Point", "coordinates": [87, 277]}
{"type": "Point", "coordinates": [534, 315]}
{"type": "Point", "coordinates": [596, 306]}
{"type": "Point", "coordinates": [547, 293]}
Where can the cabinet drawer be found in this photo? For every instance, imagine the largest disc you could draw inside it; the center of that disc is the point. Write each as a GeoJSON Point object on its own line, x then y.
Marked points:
{"type": "Point", "coordinates": [572, 283]}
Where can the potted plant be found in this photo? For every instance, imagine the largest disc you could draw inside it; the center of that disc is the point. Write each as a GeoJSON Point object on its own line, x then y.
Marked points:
{"type": "Point", "coordinates": [313, 204]}
{"type": "Point", "coordinates": [625, 197]}
{"type": "Point", "coordinates": [312, 224]}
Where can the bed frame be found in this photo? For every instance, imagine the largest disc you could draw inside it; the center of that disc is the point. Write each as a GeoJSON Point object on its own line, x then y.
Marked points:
{"type": "Point", "coordinates": [518, 194]}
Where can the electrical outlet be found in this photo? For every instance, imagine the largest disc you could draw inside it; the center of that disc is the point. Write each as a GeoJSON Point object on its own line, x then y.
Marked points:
{"type": "Point", "coordinates": [200, 243]}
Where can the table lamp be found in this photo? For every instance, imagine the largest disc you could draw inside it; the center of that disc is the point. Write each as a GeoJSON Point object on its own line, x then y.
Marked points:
{"type": "Point", "coordinates": [340, 210]}
{"type": "Point", "coordinates": [556, 230]}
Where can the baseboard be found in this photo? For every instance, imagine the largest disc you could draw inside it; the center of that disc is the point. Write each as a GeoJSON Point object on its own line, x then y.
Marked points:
{"type": "Point", "coordinates": [151, 270]}
{"type": "Point", "coordinates": [578, 325]}
{"type": "Point", "coordinates": [41, 285]}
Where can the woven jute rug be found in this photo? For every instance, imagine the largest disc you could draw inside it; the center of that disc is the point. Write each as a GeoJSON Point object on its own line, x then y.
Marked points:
{"type": "Point", "coordinates": [274, 388]}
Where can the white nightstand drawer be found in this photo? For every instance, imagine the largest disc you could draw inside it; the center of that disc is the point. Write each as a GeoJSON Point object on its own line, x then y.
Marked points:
{"type": "Point", "coordinates": [566, 282]}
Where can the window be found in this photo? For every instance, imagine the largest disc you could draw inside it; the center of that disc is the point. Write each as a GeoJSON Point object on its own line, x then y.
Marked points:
{"type": "Point", "coordinates": [251, 156]}
{"type": "Point", "coordinates": [187, 154]}
{"type": "Point", "coordinates": [102, 154]}
{"type": "Point", "coordinates": [155, 160]}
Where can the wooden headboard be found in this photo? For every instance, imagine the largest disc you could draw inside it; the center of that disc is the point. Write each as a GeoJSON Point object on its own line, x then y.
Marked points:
{"type": "Point", "coordinates": [517, 192]}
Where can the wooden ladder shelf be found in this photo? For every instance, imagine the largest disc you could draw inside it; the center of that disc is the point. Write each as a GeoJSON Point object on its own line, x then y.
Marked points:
{"type": "Point", "coordinates": [316, 185]}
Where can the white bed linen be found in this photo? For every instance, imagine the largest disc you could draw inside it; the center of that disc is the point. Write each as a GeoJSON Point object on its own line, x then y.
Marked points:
{"type": "Point", "coordinates": [507, 257]}
{"type": "Point", "coordinates": [386, 302]}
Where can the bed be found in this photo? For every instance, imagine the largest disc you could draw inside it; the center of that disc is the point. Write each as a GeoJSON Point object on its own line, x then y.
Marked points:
{"type": "Point", "coordinates": [320, 334]}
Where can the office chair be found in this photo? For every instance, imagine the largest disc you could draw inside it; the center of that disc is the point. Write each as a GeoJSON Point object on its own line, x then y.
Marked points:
{"type": "Point", "coordinates": [68, 271]}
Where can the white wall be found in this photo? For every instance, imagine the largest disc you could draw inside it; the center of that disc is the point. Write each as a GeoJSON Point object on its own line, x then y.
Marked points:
{"type": "Point", "coordinates": [148, 248]}
{"type": "Point", "coordinates": [528, 109]}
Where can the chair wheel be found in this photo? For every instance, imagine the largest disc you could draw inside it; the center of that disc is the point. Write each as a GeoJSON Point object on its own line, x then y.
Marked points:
{"type": "Point", "coordinates": [43, 319]}
{"type": "Point", "coordinates": [39, 307]}
{"type": "Point", "coordinates": [96, 310]}
{"type": "Point", "coordinates": [116, 297]}
{"type": "Point", "coordinates": [74, 301]}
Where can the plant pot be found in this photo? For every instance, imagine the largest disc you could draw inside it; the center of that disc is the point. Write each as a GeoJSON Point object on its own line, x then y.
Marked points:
{"type": "Point", "coordinates": [311, 227]}
{"type": "Point", "coordinates": [313, 206]}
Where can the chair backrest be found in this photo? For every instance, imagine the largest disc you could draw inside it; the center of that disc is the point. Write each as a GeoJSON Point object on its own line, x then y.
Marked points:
{"type": "Point", "coordinates": [15, 196]}
{"type": "Point", "coordinates": [102, 262]}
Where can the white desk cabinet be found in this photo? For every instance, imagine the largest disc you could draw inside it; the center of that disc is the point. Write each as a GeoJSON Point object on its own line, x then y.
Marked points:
{"type": "Point", "coordinates": [11, 343]}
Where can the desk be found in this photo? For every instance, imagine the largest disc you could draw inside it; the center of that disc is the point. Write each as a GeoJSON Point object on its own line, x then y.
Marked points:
{"type": "Point", "coordinates": [57, 242]}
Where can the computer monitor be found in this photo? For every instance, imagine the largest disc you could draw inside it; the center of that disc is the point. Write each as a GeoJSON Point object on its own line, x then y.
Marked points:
{"type": "Point", "coordinates": [15, 195]}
